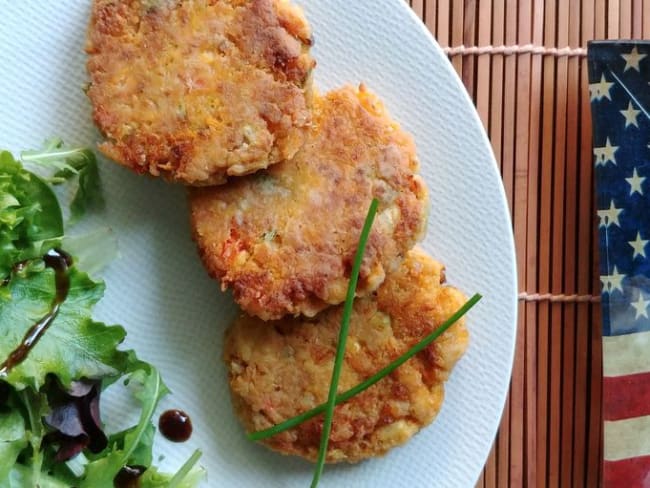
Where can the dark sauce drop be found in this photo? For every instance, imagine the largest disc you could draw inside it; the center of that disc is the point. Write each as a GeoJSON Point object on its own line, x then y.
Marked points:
{"type": "Point", "coordinates": [175, 425]}
{"type": "Point", "coordinates": [59, 261]}
{"type": "Point", "coordinates": [129, 477]}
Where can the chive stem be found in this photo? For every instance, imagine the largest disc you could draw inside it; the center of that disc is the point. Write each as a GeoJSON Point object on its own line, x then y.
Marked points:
{"type": "Point", "coordinates": [343, 337]}
{"type": "Point", "coordinates": [345, 396]}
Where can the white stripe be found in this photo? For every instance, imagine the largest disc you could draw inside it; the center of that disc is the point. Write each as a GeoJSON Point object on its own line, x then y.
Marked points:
{"type": "Point", "coordinates": [626, 439]}
{"type": "Point", "coordinates": [626, 354]}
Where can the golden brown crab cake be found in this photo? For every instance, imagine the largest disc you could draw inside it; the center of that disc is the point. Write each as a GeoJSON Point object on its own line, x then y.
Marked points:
{"type": "Point", "coordinates": [280, 369]}
{"type": "Point", "coordinates": [198, 90]}
{"type": "Point", "coordinates": [284, 239]}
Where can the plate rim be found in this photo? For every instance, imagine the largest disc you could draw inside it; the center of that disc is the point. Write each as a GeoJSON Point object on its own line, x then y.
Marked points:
{"type": "Point", "coordinates": [486, 143]}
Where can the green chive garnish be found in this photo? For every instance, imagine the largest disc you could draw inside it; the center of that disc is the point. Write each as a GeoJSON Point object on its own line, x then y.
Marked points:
{"type": "Point", "coordinates": [343, 337]}
{"type": "Point", "coordinates": [345, 396]}
{"type": "Point", "coordinates": [332, 398]}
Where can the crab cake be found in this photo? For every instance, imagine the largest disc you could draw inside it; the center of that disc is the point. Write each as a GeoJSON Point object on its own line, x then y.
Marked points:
{"type": "Point", "coordinates": [197, 90]}
{"type": "Point", "coordinates": [284, 239]}
{"type": "Point", "coordinates": [280, 369]}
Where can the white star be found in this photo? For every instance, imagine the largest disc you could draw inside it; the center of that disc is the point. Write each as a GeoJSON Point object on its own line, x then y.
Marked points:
{"type": "Point", "coordinates": [641, 307]}
{"type": "Point", "coordinates": [600, 90]}
{"type": "Point", "coordinates": [612, 282]}
{"type": "Point", "coordinates": [630, 115]}
{"type": "Point", "coordinates": [635, 183]}
{"type": "Point", "coordinates": [609, 216]}
{"type": "Point", "coordinates": [605, 154]}
{"type": "Point", "coordinates": [632, 59]}
{"type": "Point", "coordinates": [604, 279]}
{"type": "Point", "coordinates": [638, 245]}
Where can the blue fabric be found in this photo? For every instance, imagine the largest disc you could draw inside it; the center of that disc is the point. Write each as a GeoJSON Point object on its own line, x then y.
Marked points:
{"type": "Point", "coordinates": [619, 73]}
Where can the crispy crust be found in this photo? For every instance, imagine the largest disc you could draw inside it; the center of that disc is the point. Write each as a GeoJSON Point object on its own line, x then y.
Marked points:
{"type": "Point", "coordinates": [280, 369]}
{"type": "Point", "coordinates": [199, 90]}
{"type": "Point", "coordinates": [284, 239]}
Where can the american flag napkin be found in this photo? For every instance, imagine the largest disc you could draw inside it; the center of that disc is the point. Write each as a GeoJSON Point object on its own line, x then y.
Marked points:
{"type": "Point", "coordinates": [619, 76]}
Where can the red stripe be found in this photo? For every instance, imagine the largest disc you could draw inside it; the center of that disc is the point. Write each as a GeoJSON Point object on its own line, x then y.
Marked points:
{"type": "Point", "coordinates": [626, 396]}
{"type": "Point", "coordinates": [632, 473]}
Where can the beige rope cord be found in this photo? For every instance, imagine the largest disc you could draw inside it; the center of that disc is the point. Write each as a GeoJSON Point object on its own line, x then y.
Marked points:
{"type": "Point", "coordinates": [548, 297]}
{"type": "Point", "coordinates": [515, 49]}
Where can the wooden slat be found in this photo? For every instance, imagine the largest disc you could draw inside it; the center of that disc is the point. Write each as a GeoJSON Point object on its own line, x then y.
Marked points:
{"type": "Point", "coordinates": [496, 103]}
{"type": "Point", "coordinates": [625, 19]}
{"type": "Point", "coordinates": [490, 471]}
{"type": "Point", "coordinates": [613, 16]}
{"type": "Point", "coordinates": [637, 19]}
{"type": "Point", "coordinates": [507, 173]}
{"type": "Point", "coordinates": [509, 103]}
{"type": "Point", "coordinates": [532, 252]}
{"type": "Point", "coordinates": [594, 429]}
{"type": "Point", "coordinates": [431, 15]}
{"type": "Point", "coordinates": [557, 252]}
{"type": "Point", "coordinates": [544, 252]}
{"type": "Point", "coordinates": [484, 61]}
{"type": "Point", "coordinates": [443, 22]}
{"type": "Point", "coordinates": [594, 464]}
{"type": "Point", "coordinates": [469, 39]}
{"type": "Point", "coordinates": [571, 248]}
{"type": "Point", "coordinates": [520, 215]}
{"type": "Point", "coordinates": [499, 461]}
{"type": "Point", "coordinates": [456, 34]}
{"type": "Point", "coordinates": [585, 232]}
{"type": "Point", "coordinates": [418, 7]}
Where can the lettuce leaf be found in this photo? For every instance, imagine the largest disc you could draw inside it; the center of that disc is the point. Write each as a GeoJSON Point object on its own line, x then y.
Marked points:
{"type": "Point", "coordinates": [13, 439]}
{"type": "Point", "coordinates": [39, 389]}
{"type": "Point", "coordinates": [74, 347]}
{"type": "Point", "coordinates": [22, 476]}
{"type": "Point", "coordinates": [78, 165]}
{"type": "Point", "coordinates": [30, 216]}
{"type": "Point", "coordinates": [133, 447]}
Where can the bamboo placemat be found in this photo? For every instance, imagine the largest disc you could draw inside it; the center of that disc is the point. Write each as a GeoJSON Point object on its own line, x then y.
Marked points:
{"type": "Point", "coordinates": [523, 63]}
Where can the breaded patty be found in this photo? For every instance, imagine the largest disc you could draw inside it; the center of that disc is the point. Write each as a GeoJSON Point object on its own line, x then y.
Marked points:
{"type": "Point", "coordinates": [197, 90]}
{"type": "Point", "coordinates": [284, 239]}
{"type": "Point", "coordinates": [280, 369]}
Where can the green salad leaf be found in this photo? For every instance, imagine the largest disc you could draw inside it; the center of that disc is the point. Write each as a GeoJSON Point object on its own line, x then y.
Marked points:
{"type": "Point", "coordinates": [74, 347]}
{"type": "Point", "coordinates": [78, 165]}
{"type": "Point", "coordinates": [22, 477]}
{"type": "Point", "coordinates": [13, 439]}
{"type": "Point", "coordinates": [92, 251]}
{"type": "Point", "coordinates": [133, 446]}
{"type": "Point", "coordinates": [55, 360]}
{"type": "Point", "coordinates": [30, 215]}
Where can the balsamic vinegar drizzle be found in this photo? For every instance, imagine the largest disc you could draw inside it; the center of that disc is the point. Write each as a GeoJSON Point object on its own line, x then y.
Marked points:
{"type": "Point", "coordinates": [59, 261]}
{"type": "Point", "coordinates": [175, 425]}
{"type": "Point", "coordinates": [129, 477]}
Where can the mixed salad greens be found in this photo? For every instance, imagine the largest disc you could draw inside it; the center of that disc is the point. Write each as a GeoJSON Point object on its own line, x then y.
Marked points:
{"type": "Point", "coordinates": [55, 360]}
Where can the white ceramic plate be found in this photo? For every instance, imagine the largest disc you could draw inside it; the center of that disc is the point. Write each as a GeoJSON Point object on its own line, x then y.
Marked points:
{"type": "Point", "coordinates": [175, 315]}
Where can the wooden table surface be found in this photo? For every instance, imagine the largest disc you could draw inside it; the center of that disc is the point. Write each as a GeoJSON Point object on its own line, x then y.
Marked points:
{"type": "Point", "coordinates": [536, 110]}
